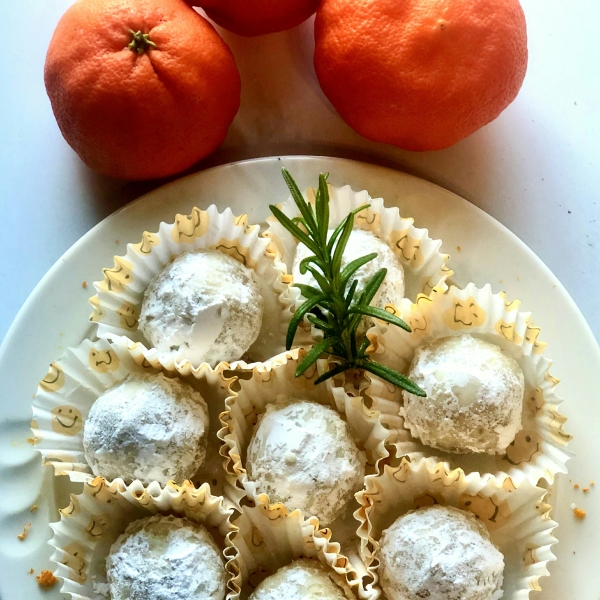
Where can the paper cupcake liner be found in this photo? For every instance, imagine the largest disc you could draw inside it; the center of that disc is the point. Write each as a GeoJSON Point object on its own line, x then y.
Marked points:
{"type": "Point", "coordinates": [270, 538]}
{"type": "Point", "coordinates": [424, 264]}
{"type": "Point", "coordinates": [120, 294]}
{"type": "Point", "coordinates": [516, 517]}
{"type": "Point", "coordinates": [74, 382]}
{"type": "Point", "coordinates": [248, 399]}
{"type": "Point", "coordinates": [95, 518]}
{"type": "Point", "coordinates": [540, 448]}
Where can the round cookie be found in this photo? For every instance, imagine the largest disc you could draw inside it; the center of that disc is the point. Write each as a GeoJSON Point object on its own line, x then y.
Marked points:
{"type": "Point", "coordinates": [360, 244]}
{"type": "Point", "coordinates": [439, 553]}
{"type": "Point", "coordinates": [204, 307]}
{"type": "Point", "coordinates": [148, 427]}
{"type": "Point", "coordinates": [303, 579]}
{"type": "Point", "coordinates": [166, 558]}
{"type": "Point", "coordinates": [474, 396]}
{"type": "Point", "coordinates": [302, 454]}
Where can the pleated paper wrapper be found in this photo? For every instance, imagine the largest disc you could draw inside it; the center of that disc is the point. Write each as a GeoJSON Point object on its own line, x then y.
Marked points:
{"type": "Point", "coordinates": [120, 293]}
{"type": "Point", "coordinates": [539, 450]}
{"type": "Point", "coordinates": [270, 537]}
{"type": "Point", "coordinates": [516, 517]}
{"type": "Point", "coordinates": [424, 264]}
{"type": "Point", "coordinates": [248, 400]}
{"type": "Point", "coordinates": [95, 518]}
{"type": "Point", "coordinates": [74, 382]}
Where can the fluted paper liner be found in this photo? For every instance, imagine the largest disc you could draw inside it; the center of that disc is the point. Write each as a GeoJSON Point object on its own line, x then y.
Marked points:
{"type": "Point", "coordinates": [540, 448]}
{"type": "Point", "coordinates": [74, 382]}
{"type": "Point", "coordinates": [517, 518]}
{"type": "Point", "coordinates": [269, 538]}
{"type": "Point", "coordinates": [120, 293]}
{"type": "Point", "coordinates": [248, 399]}
{"type": "Point", "coordinates": [424, 264]}
{"type": "Point", "coordinates": [95, 518]}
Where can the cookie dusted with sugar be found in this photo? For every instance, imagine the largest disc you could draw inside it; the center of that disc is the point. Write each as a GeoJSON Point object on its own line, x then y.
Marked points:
{"type": "Point", "coordinates": [148, 427]}
{"type": "Point", "coordinates": [204, 307]}
{"type": "Point", "coordinates": [302, 454]}
{"type": "Point", "coordinates": [439, 553]}
{"type": "Point", "coordinates": [166, 558]}
{"type": "Point", "coordinates": [303, 579]}
{"type": "Point", "coordinates": [360, 244]}
{"type": "Point", "coordinates": [474, 397]}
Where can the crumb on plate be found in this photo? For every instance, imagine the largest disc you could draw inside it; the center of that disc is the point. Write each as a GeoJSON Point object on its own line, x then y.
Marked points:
{"type": "Point", "coordinates": [46, 579]}
{"type": "Point", "coordinates": [23, 535]}
{"type": "Point", "coordinates": [576, 486]}
{"type": "Point", "coordinates": [33, 508]}
{"type": "Point", "coordinates": [579, 513]}
{"type": "Point", "coordinates": [84, 285]}
{"type": "Point", "coordinates": [31, 571]}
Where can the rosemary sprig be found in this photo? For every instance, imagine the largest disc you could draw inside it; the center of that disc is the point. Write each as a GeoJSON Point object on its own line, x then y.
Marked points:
{"type": "Point", "coordinates": [334, 306]}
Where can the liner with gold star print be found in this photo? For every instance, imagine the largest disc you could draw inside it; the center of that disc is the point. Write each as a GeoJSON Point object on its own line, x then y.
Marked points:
{"type": "Point", "coordinates": [95, 519]}
{"type": "Point", "coordinates": [358, 403]}
{"type": "Point", "coordinates": [539, 450]}
{"type": "Point", "coordinates": [516, 517]}
{"type": "Point", "coordinates": [66, 394]}
{"type": "Point", "coordinates": [424, 264]}
{"type": "Point", "coordinates": [120, 293]}
{"type": "Point", "coordinates": [270, 538]}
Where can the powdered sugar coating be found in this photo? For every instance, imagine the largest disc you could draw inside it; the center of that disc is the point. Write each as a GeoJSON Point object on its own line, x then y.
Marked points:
{"type": "Point", "coordinates": [360, 244]}
{"type": "Point", "coordinates": [148, 427]}
{"type": "Point", "coordinates": [302, 454]}
{"type": "Point", "coordinates": [303, 579]}
{"type": "Point", "coordinates": [204, 307]}
{"type": "Point", "coordinates": [439, 553]}
{"type": "Point", "coordinates": [166, 558]}
{"type": "Point", "coordinates": [474, 396]}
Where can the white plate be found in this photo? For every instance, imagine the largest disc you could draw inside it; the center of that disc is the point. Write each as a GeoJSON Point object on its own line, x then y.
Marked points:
{"type": "Point", "coordinates": [56, 316]}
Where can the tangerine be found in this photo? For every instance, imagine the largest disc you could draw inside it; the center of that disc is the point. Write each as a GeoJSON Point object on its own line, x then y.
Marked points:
{"type": "Point", "coordinates": [257, 17]}
{"type": "Point", "coordinates": [140, 88]}
{"type": "Point", "coordinates": [420, 74]}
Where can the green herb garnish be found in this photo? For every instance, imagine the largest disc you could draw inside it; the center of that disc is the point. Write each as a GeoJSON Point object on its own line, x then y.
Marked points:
{"type": "Point", "coordinates": [334, 307]}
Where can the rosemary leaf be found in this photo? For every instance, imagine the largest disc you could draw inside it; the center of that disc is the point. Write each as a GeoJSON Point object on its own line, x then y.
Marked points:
{"type": "Point", "coordinates": [333, 372]}
{"type": "Point", "coordinates": [392, 376]}
{"type": "Point", "coordinates": [379, 313]}
{"type": "Point", "coordinates": [298, 316]}
{"type": "Point", "coordinates": [295, 230]}
{"type": "Point", "coordinates": [313, 355]}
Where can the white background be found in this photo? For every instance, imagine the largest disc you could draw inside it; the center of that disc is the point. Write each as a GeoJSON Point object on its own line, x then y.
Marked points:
{"type": "Point", "coordinates": [535, 168]}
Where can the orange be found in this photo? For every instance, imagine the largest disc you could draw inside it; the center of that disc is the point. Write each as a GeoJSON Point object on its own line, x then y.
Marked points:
{"type": "Point", "coordinates": [257, 17]}
{"type": "Point", "coordinates": [420, 74]}
{"type": "Point", "coordinates": [140, 88]}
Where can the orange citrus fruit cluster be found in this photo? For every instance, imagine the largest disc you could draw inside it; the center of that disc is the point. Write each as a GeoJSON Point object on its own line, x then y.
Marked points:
{"type": "Point", "coordinates": [145, 88]}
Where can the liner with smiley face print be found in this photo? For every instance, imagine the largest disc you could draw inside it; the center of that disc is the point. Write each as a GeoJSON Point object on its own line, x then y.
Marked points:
{"type": "Point", "coordinates": [120, 293]}
{"type": "Point", "coordinates": [516, 517]}
{"type": "Point", "coordinates": [248, 400]}
{"type": "Point", "coordinates": [95, 518]}
{"type": "Point", "coordinates": [270, 537]}
{"type": "Point", "coordinates": [539, 450]}
{"type": "Point", "coordinates": [74, 382]}
{"type": "Point", "coordinates": [424, 265]}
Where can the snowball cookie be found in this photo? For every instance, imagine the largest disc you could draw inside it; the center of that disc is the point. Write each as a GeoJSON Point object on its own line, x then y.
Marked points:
{"type": "Point", "coordinates": [302, 454]}
{"type": "Point", "coordinates": [474, 396]}
{"type": "Point", "coordinates": [147, 427]}
{"type": "Point", "coordinates": [304, 579]}
{"type": "Point", "coordinates": [360, 244]}
{"type": "Point", "coordinates": [439, 553]}
{"type": "Point", "coordinates": [204, 307]}
{"type": "Point", "coordinates": [165, 558]}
